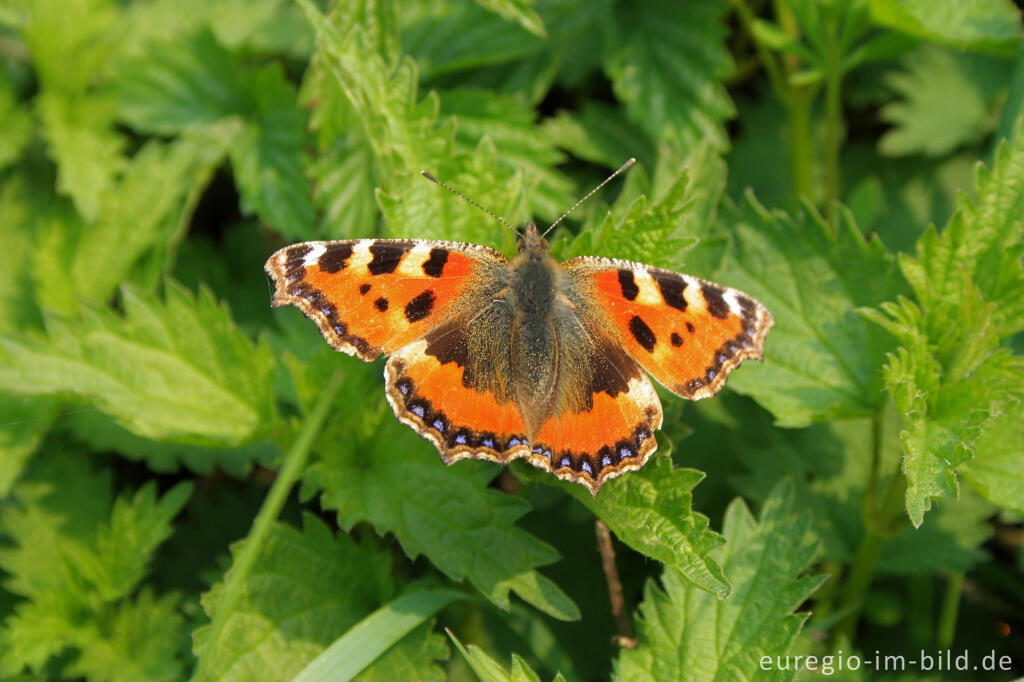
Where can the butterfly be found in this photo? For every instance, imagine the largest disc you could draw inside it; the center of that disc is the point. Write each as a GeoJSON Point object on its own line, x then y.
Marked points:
{"type": "Point", "coordinates": [502, 358]}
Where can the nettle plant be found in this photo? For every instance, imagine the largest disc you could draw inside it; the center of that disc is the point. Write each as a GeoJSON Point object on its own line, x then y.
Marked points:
{"type": "Point", "coordinates": [196, 486]}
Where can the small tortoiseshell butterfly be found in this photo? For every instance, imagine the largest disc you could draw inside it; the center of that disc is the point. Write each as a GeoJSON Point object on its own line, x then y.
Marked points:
{"type": "Point", "coordinates": [499, 359]}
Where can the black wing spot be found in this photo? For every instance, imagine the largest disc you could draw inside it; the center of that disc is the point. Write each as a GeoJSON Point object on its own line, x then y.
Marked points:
{"type": "Point", "coordinates": [676, 340]}
{"type": "Point", "coordinates": [364, 289]}
{"type": "Point", "coordinates": [642, 333]}
{"type": "Point", "coordinates": [335, 258]}
{"type": "Point", "coordinates": [420, 307]}
{"type": "Point", "coordinates": [716, 304]}
{"type": "Point", "coordinates": [434, 266]}
{"type": "Point", "coordinates": [672, 287]}
{"type": "Point", "coordinates": [386, 257]}
{"type": "Point", "coordinates": [627, 282]}
{"type": "Point", "coordinates": [381, 304]}
{"type": "Point", "coordinates": [690, 328]}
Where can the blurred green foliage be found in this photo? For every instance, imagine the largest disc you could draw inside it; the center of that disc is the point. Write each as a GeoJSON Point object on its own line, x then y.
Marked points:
{"type": "Point", "coordinates": [195, 487]}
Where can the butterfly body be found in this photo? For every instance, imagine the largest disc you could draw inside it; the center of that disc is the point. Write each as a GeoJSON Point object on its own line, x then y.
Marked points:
{"type": "Point", "coordinates": [496, 358]}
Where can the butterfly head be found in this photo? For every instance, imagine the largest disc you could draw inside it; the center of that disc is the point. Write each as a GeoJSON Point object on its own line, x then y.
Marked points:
{"type": "Point", "coordinates": [532, 240]}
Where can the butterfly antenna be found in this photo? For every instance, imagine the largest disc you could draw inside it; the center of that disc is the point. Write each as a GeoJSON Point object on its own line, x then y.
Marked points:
{"type": "Point", "coordinates": [456, 192]}
{"type": "Point", "coordinates": [590, 194]}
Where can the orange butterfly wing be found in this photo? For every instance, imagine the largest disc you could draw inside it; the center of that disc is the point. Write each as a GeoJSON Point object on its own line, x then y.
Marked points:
{"type": "Point", "coordinates": [687, 332]}
{"type": "Point", "coordinates": [373, 296]}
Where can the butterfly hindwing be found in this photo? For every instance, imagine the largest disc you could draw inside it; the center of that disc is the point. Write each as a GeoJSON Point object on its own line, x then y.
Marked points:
{"type": "Point", "coordinates": [687, 332]}
{"type": "Point", "coordinates": [373, 296]}
{"type": "Point", "coordinates": [612, 429]}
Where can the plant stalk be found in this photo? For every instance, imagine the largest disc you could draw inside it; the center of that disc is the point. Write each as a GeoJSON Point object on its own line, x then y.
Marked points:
{"type": "Point", "coordinates": [292, 466]}
{"type": "Point", "coordinates": [833, 120]}
{"type": "Point", "coordinates": [950, 608]}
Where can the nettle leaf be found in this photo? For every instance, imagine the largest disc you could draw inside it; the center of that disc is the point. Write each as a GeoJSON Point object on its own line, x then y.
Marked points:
{"type": "Point", "coordinates": [519, 11]}
{"type": "Point", "coordinates": [951, 383]}
{"type": "Point", "coordinates": [509, 123]}
{"type": "Point", "coordinates": [176, 370]}
{"type": "Point", "coordinates": [456, 36]}
{"type": "Point", "coordinates": [829, 466]}
{"type": "Point", "coordinates": [487, 669]}
{"type": "Point", "coordinates": [374, 469]}
{"type": "Point", "coordinates": [83, 144]}
{"type": "Point", "coordinates": [76, 562]}
{"type": "Point", "coordinates": [70, 43]}
{"type": "Point", "coordinates": [103, 433]}
{"type": "Point", "coordinates": [923, 122]}
{"type": "Point", "coordinates": [256, 26]}
{"type": "Point", "coordinates": [599, 133]}
{"type": "Point", "coordinates": [651, 511]}
{"type": "Point", "coordinates": [950, 379]}
{"type": "Point", "coordinates": [655, 230]}
{"type": "Point", "coordinates": [194, 81]}
{"type": "Point", "coordinates": [305, 589]}
{"type": "Point", "coordinates": [145, 210]}
{"type": "Point", "coordinates": [406, 134]}
{"type": "Point", "coordinates": [667, 65]}
{"type": "Point", "coordinates": [988, 25]}
{"type": "Point", "coordinates": [686, 634]}
{"type": "Point", "coordinates": [15, 121]}
{"type": "Point", "coordinates": [821, 357]}
{"type": "Point", "coordinates": [997, 468]}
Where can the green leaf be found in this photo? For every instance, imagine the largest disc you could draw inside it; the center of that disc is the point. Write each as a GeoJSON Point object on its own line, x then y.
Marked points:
{"type": "Point", "coordinates": [510, 125]}
{"type": "Point", "coordinates": [829, 465]}
{"type": "Point", "coordinates": [15, 121]}
{"type": "Point", "coordinates": [997, 469]}
{"type": "Point", "coordinates": [457, 36]}
{"type": "Point", "coordinates": [406, 135]}
{"type": "Point", "coordinates": [519, 11]}
{"type": "Point", "coordinates": [26, 421]}
{"type": "Point", "coordinates": [144, 213]}
{"type": "Point", "coordinates": [950, 379]}
{"type": "Point", "coordinates": [821, 357]}
{"type": "Point", "coordinates": [650, 511]}
{"type": "Point", "coordinates": [304, 590]}
{"type": "Point", "coordinates": [77, 570]}
{"type": "Point", "coordinates": [986, 25]}
{"type": "Point", "coordinates": [686, 634]}
{"type": "Point", "coordinates": [666, 68]}
{"type": "Point", "coordinates": [923, 123]}
{"type": "Point", "coordinates": [83, 144]}
{"type": "Point", "coordinates": [367, 640]}
{"type": "Point", "coordinates": [600, 134]}
{"type": "Point", "coordinates": [102, 433]}
{"type": "Point", "coordinates": [448, 514]}
{"type": "Point", "coordinates": [487, 669]}
{"type": "Point", "coordinates": [70, 42]}
{"type": "Point", "coordinates": [194, 81]}
{"type": "Point", "coordinates": [178, 370]}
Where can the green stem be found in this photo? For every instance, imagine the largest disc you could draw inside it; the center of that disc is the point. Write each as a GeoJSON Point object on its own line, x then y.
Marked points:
{"type": "Point", "coordinates": [878, 530]}
{"type": "Point", "coordinates": [921, 597]}
{"type": "Point", "coordinates": [950, 609]}
{"type": "Point", "coordinates": [292, 466]}
{"type": "Point", "coordinates": [771, 66]}
{"type": "Point", "coordinates": [833, 120]}
{"type": "Point", "coordinates": [798, 119]}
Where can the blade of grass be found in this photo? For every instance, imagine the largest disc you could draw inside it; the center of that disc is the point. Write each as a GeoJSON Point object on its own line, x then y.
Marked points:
{"type": "Point", "coordinates": [351, 653]}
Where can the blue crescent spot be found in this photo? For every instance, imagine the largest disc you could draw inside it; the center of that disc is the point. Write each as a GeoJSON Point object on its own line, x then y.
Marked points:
{"type": "Point", "coordinates": [565, 462]}
{"type": "Point", "coordinates": [488, 442]}
{"type": "Point", "coordinates": [417, 410]}
{"type": "Point", "coordinates": [439, 425]}
{"type": "Point", "coordinates": [625, 452]}
{"type": "Point", "coordinates": [606, 461]}
{"type": "Point", "coordinates": [460, 439]}
{"type": "Point", "coordinates": [586, 467]}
